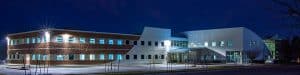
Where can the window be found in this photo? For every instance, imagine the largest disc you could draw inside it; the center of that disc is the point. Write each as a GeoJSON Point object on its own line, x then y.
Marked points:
{"type": "Point", "coordinates": [162, 44]}
{"type": "Point", "coordinates": [214, 44]}
{"type": "Point", "coordinates": [119, 57]}
{"type": "Point", "coordinates": [38, 40]}
{"type": "Point", "coordinates": [156, 43]}
{"type": "Point", "coordinates": [156, 56]}
{"type": "Point", "coordinates": [206, 44]}
{"type": "Point", "coordinates": [71, 56]}
{"type": "Point", "coordinates": [162, 57]}
{"type": "Point", "coordinates": [27, 40]}
{"type": "Point", "coordinates": [222, 43]}
{"type": "Point", "coordinates": [38, 56]}
{"type": "Point", "coordinates": [92, 56]}
{"type": "Point", "coordinates": [149, 56]}
{"type": "Point", "coordinates": [127, 57]}
{"type": "Point", "coordinates": [72, 39]}
{"type": "Point", "coordinates": [33, 57]}
{"type": "Point", "coordinates": [45, 57]}
{"type": "Point", "coordinates": [92, 41]}
{"type": "Point", "coordinates": [229, 43]}
{"type": "Point", "coordinates": [33, 40]}
{"type": "Point", "coordinates": [81, 40]}
{"type": "Point", "coordinates": [134, 56]}
{"type": "Point", "coordinates": [82, 57]}
{"type": "Point", "coordinates": [111, 42]}
{"type": "Point", "coordinates": [142, 57]}
{"type": "Point", "coordinates": [149, 43]}
{"type": "Point", "coordinates": [143, 43]}
{"type": "Point", "coordinates": [119, 42]}
{"type": "Point", "coordinates": [102, 57]}
{"type": "Point", "coordinates": [135, 43]}
{"type": "Point", "coordinates": [59, 39]}
{"type": "Point", "coordinates": [127, 42]}
{"type": "Point", "coordinates": [59, 57]}
{"type": "Point", "coordinates": [101, 41]}
{"type": "Point", "coordinates": [110, 56]}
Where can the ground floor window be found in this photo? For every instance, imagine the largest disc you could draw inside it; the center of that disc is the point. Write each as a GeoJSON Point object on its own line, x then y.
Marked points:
{"type": "Point", "coordinates": [127, 57]}
{"type": "Point", "coordinates": [119, 56]}
{"type": "Point", "coordinates": [82, 56]}
{"type": "Point", "coordinates": [110, 56]}
{"type": "Point", "coordinates": [101, 56]}
{"type": "Point", "coordinates": [162, 57]}
{"type": "Point", "coordinates": [33, 57]}
{"type": "Point", "coordinates": [142, 57]}
{"type": "Point", "coordinates": [71, 56]}
{"type": "Point", "coordinates": [59, 57]}
{"type": "Point", "coordinates": [149, 56]}
{"type": "Point", "coordinates": [92, 56]}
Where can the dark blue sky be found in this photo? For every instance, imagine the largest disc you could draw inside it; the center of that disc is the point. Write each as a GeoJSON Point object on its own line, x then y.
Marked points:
{"type": "Point", "coordinates": [130, 16]}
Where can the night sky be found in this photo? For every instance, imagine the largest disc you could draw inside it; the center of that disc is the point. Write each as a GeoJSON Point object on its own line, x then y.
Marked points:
{"type": "Point", "coordinates": [130, 16]}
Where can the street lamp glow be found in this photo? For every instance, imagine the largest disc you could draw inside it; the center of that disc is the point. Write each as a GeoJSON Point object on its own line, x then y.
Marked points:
{"type": "Point", "coordinates": [47, 36]}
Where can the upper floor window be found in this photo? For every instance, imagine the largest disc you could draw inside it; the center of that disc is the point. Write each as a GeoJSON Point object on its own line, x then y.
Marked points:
{"type": "Point", "coordinates": [142, 57]}
{"type": "Point", "coordinates": [110, 41]}
{"type": "Point", "coordinates": [81, 40]}
{"type": "Point", "coordinates": [142, 42]}
{"type": "Point", "coordinates": [149, 43]}
{"type": "Point", "coordinates": [149, 56]}
{"type": "Point", "coordinates": [82, 57]}
{"type": "Point", "coordinates": [162, 44]}
{"type": "Point", "coordinates": [33, 57]}
{"type": "Point", "coordinates": [119, 42]}
{"type": "Point", "coordinates": [134, 56]}
{"type": "Point", "coordinates": [101, 41]}
{"type": "Point", "coordinates": [156, 56]}
{"type": "Point", "coordinates": [162, 57]}
{"type": "Point", "coordinates": [38, 40]}
{"type": "Point", "coordinates": [92, 41]}
{"type": "Point", "coordinates": [102, 57]}
{"type": "Point", "coordinates": [72, 39]}
{"type": "Point", "coordinates": [33, 40]}
{"type": "Point", "coordinates": [59, 39]}
{"type": "Point", "coordinates": [213, 44]}
{"type": "Point", "coordinates": [27, 40]}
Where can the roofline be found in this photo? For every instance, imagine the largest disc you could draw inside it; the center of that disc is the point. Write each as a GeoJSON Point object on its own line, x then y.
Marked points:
{"type": "Point", "coordinates": [214, 29]}
{"type": "Point", "coordinates": [53, 29]}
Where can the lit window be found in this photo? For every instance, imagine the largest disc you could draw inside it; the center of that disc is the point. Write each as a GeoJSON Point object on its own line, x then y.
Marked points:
{"type": "Point", "coordinates": [33, 57]}
{"type": "Point", "coordinates": [110, 56]}
{"type": "Point", "coordinates": [214, 44]}
{"type": "Point", "coordinates": [33, 40]}
{"type": "Point", "coordinates": [59, 57]}
{"type": "Point", "coordinates": [101, 41]}
{"type": "Point", "coordinates": [222, 43]}
{"type": "Point", "coordinates": [102, 57]}
{"type": "Point", "coordinates": [27, 40]}
{"type": "Point", "coordinates": [229, 43]}
{"type": "Point", "coordinates": [38, 56]}
{"type": "Point", "coordinates": [72, 39]}
{"type": "Point", "coordinates": [59, 39]}
{"type": "Point", "coordinates": [82, 56]}
{"type": "Point", "coordinates": [119, 57]}
{"type": "Point", "coordinates": [111, 42]}
{"type": "Point", "coordinates": [92, 56]}
{"type": "Point", "coordinates": [119, 42]}
{"type": "Point", "coordinates": [38, 40]}
{"type": "Point", "coordinates": [206, 44]}
{"type": "Point", "coordinates": [12, 42]}
{"type": "Point", "coordinates": [92, 41]}
{"type": "Point", "coordinates": [81, 40]}
{"type": "Point", "coordinates": [45, 57]}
